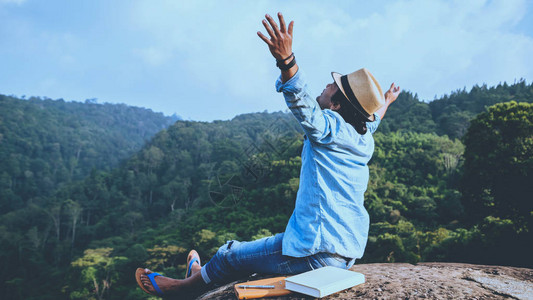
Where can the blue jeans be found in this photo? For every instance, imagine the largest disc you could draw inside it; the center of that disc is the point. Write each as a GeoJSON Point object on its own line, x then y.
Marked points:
{"type": "Point", "coordinates": [236, 259]}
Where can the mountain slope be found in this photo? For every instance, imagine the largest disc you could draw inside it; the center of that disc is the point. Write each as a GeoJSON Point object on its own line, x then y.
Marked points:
{"type": "Point", "coordinates": [45, 143]}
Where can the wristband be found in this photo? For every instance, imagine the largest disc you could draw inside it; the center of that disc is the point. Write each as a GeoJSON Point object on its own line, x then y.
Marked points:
{"type": "Point", "coordinates": [288, 57]}
{"type": "Point", "coordinates": [286, 67]}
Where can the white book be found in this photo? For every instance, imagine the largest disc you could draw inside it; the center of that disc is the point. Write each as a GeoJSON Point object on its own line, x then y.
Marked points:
{"type": "Point", "coordinates": [324, 281]}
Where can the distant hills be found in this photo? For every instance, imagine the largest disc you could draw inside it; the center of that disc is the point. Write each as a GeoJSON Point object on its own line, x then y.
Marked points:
{"type": "Point", "coordinates": [450, 115]}
{"type": "Point", "coordinates": [89, 192]}
{"type": "Point", "coordinates": [45, 142]}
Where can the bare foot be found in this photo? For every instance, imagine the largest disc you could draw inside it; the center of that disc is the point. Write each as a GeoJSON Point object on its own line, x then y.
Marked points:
{"type": "Point", "coordinates": [166, 284]}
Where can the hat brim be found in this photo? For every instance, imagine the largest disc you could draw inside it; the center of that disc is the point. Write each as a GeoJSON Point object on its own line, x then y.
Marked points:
{"type": "Point", "coordinates": [337, 78]}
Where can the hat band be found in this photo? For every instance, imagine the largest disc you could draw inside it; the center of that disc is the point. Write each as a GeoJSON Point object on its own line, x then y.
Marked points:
{"type": "Point", "coordinates": [351, 96]}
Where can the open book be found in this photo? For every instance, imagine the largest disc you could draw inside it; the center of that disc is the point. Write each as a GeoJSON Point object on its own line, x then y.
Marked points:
{"type": "Point", "coordinates": [324, 281]}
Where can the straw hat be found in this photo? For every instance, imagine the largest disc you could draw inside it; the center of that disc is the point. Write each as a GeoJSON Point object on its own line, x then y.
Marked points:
{"type": "Point", "coordinates": [362, 90]}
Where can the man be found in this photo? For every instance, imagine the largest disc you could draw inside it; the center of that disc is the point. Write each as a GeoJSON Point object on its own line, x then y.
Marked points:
{"type": "Point", "coordinates": [329, 225]}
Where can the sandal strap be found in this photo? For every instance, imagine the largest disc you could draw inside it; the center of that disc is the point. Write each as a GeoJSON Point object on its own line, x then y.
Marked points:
{"type": "Point", "coordinates": [189, 269]}
{"type": "Point", "coordinates": [152, 276]}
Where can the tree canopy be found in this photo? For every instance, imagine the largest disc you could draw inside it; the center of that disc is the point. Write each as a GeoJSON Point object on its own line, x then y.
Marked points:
{"type": "Point", "coordinates": [89, 192]}
{"type": "Point", "coordinates": [499, 163]}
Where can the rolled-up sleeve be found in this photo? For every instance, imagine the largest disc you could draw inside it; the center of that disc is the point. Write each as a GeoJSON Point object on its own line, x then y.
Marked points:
{"type": "Point", "coordinates": [314, 122]}
{"type": "Point", "coordinates": [373, 126]}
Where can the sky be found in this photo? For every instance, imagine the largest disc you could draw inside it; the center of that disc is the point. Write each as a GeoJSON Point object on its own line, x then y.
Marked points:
{"type": "Point", "coordinates": [203, 60]}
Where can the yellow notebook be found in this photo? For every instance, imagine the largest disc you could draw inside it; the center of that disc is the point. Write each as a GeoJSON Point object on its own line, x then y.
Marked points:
{"type": "Point", "coordinates": [254, 293]}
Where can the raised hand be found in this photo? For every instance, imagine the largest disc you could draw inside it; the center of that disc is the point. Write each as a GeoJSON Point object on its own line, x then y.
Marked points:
{"type": "Point", "coordinates": [390, 96]}
{"type": "Point", "coordinates": [392, 93]}
{"type": "Point", "coordinates": [280, 41]}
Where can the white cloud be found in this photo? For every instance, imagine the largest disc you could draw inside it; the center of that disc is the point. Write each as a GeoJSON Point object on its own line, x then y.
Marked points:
{"type": "Point", "coordinates": [429, 47]}
{"type": "Point", "coordinates": [178, 53]}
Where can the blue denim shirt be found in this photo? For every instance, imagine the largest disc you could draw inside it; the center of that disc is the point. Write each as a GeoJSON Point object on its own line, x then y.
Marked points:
{"type": "Point", "coordinates": [329, 215]}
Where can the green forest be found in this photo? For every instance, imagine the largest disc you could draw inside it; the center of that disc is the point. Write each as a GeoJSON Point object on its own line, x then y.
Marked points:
{"type": "Point", "coordinates": [89, 192]}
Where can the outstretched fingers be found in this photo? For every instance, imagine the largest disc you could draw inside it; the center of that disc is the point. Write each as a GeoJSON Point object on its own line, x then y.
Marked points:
{"type": "Point", "coordinates": [274, 26]}
{"type": "Point", "coordinates": [392, 93]}
{"type": "Point", "coordinates": [280, 41]}
{"type": "Point", "coordinates": [282, 26]}
{"type": "Point", "coordinates": [291, 25]}
{"type": "Point", "coordinates": [393, 88]}
{"type": "Point", "coordinates": [265, 39]}
{"type": "Point", "coordinates": [269, 29]}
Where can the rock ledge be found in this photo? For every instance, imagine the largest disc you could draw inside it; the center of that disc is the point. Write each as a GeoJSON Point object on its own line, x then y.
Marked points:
{"type": "Point", "coordinates": [424, 280]}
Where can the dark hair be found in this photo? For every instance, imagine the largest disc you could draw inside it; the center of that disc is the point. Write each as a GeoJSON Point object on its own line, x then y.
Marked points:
{"type": "Point", "coordinates": [348, 112]}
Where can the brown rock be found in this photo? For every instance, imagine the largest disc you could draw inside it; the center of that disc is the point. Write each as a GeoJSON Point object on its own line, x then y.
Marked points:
{"type": "Point", "coordinates": [423, 281]}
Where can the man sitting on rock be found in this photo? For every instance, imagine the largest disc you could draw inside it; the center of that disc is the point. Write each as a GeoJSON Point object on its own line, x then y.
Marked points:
{"type": "Point", "coordinates": [329, 224]}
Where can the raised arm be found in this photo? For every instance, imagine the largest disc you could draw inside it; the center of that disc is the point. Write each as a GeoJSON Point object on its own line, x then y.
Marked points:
{"type": "Point", "coordinates": [316, 125]}
{"type": "Point", "coordinates": [280, 45]}
{"type": "Point", "coordinates": [390, 96]}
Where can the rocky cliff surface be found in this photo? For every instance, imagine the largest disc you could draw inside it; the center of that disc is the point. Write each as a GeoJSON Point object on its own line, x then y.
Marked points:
{"type": "Point", "coordinates": [424, 280]}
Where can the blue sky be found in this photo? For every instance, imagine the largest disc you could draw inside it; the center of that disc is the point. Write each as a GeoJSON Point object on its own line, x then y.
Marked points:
{"type": "Point", "coordinates": [203, 60]}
